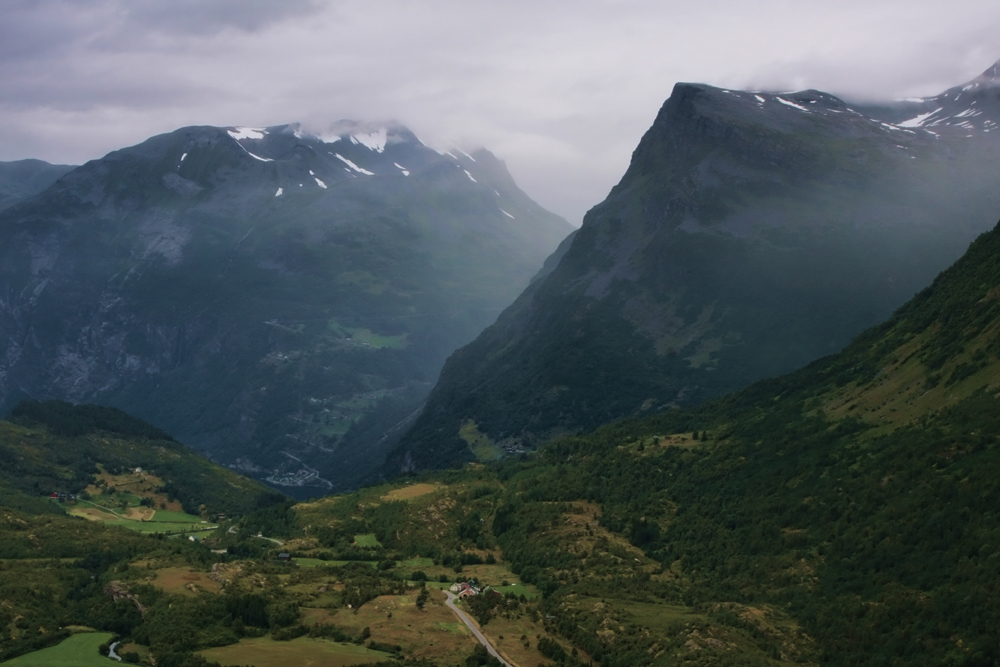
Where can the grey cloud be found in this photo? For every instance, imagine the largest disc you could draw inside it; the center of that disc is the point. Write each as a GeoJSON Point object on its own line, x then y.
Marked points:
{"type": "Point", "coordinates": [200, 17]}
{"type": "Point", "coordinates": [562, 92]}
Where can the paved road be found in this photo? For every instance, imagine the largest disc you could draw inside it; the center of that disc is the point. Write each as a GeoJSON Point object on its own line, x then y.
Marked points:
{"type": "Point", "coordinates": [475, 631]}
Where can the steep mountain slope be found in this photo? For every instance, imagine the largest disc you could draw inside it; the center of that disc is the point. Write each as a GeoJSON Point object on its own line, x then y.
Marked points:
{"type": "Point", "coordinates": [752, 233]}
{"type": "Point", "coordinates": [24, 178]}
{"type": "Point", "coordinates": [276, 299]}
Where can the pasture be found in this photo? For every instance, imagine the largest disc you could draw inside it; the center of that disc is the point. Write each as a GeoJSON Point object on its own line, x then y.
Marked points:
{"type": "Point", "coordinates": [78, 650]}
{"type": "Point", "coordinates": [302, 652]}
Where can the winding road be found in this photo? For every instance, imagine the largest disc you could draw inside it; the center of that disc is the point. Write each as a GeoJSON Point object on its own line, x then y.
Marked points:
{"type": "Point", "coordinates": [472, 626]}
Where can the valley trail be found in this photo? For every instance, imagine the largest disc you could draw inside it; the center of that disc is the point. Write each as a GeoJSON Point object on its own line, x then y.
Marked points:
{"type": "Point", "coordinates": [472, 626]}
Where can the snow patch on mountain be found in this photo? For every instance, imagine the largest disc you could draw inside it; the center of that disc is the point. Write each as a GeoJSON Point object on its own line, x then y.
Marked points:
{"type": "Point", "coordinates": [792, 104]}
{"type": "Point", "coordinates": [470, 176]}
{"type": "Point", "coordinates": [253, 155]}
{"type": "Point", "coordinates": [354, 166]}
{"type": "Point", "coordinates": [239, 133]}
{"type": "Point", "coordinates": [918, 121]}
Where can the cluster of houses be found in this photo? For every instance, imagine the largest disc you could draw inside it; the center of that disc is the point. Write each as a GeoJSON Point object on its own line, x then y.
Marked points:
{"type": "Point", "coordinates": [465, 589]}
{"type": "Point", "coordinates": [63, 497]}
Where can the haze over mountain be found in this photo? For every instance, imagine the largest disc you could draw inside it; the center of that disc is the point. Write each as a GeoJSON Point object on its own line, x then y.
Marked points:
{"type": "Point", "coordinates": [275, 299]}
{"type": "Point", "coordinates": [752, 233]}
{"type": "Point", "coordinates": [23, 178]}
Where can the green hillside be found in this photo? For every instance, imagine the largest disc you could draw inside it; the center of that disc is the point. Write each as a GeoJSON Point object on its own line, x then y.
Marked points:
{"type": "Point", "coordinates": [115, 461]}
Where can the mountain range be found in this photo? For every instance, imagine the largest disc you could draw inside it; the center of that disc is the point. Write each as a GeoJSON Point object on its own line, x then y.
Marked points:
{"type": "Point", "coordinates": [279, 300]}
{"type": "Point", "coordinates": [752, 233]}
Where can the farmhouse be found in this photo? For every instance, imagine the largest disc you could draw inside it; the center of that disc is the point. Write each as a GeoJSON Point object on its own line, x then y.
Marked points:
{"type": "Point", "coordinates": [465, 589]}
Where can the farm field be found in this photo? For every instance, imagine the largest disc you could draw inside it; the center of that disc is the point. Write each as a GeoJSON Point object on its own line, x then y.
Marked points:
{"type": "Point", "coordinates": [76, 651]}
{"type": "Point", "coordinates": [304, 652]}
{"type": "Point", "coordinates": [143, 520]}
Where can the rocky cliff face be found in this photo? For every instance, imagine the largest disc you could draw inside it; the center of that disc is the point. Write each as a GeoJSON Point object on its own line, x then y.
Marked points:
{"type": "Point", "coordinates": [752, 233]}
{"type": "Point", "coordinates": [278, 300]}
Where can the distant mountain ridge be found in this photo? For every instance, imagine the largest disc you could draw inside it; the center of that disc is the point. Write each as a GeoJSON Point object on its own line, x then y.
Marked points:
{"type": "Point", "coordinates": [751, 233]}
{"type": "Point", "coordinates": [25, 178]}
{"type": "Point", "coordinates": [276, 299]}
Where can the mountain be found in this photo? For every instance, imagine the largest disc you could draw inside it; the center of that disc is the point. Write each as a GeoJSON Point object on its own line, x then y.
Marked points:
{"type": "Point", "coordinates": [752, 233]}
{"type": "Point", "coordinates": [24, 178]}
{"type": "Point", "coordinates": [279, 300]}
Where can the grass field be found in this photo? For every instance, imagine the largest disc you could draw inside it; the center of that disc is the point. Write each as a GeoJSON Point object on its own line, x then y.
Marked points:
{"type": "Point", "coordinates": [316, 562]}
{"type": "Point", "coordinates": [367, 540]}
{"type": "Point", "coordinates": [656, 617]}
{"type": "Point", "coordinates": [527, 591]}
{"type": "Point", "coordinates": [166, 516]}
{"type": "Point", "coordinates": [480, 444]}
{"type": "Point", "coordinates": [184, 581]}
{"type": "Point", "coordinates": [433, 633]}
{"type": "Point", "coordinates": [412, 491]}
{"type": "Point", "coordinates": [302, 652]}
{"type": "Point", "coordinates": [76, 651]}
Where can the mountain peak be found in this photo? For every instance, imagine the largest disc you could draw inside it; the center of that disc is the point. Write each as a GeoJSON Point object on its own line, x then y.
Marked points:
{"type": "Point", "coordinates": [991, 74]}
{"type": "Point", "coordinates": [988, 79]}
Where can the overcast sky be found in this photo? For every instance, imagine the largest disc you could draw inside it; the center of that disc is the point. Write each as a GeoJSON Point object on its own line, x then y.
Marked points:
{"type": "Point", "coordinates": [561, 90]}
